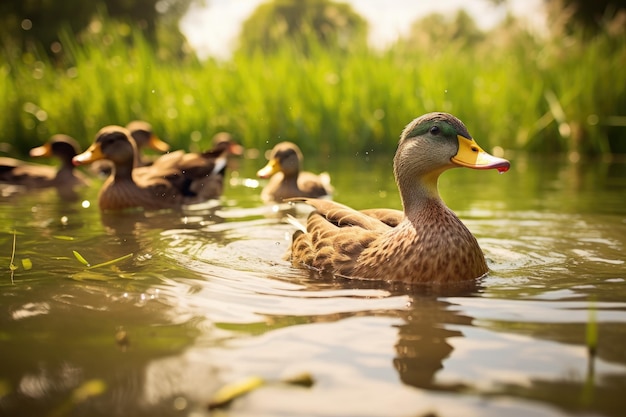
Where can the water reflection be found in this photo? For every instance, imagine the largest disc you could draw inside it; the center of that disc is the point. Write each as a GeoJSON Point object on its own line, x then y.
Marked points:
{"type": "Point", "coordinates": [423, 345]}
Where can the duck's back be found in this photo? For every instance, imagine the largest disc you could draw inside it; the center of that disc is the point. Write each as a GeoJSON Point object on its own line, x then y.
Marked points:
{"type": "Point", "coordinates": [153, 195]}
{"type": "Point", "coordinates": [384, 245]}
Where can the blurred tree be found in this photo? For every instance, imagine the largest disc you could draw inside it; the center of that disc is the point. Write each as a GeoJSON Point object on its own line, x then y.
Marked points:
{"type": "Point", "coordinates": [24, 23]}
{"type": "Point", "coordinates": [436, 29]}
{"type": "Point", "coordinates": [304, 22]}
{"type": "Point", "coordinates": [590, 16]}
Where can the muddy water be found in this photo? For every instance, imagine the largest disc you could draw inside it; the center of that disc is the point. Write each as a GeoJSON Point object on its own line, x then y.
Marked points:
{"type": "Point", "coordinates": [200, 299]}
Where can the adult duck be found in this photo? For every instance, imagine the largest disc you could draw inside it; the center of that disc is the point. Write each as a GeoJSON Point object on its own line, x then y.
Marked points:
{"type": "Point", "coordinates": [145, 138]}
{"type": "Point", "coordinates": [286, 178]}
{"type": "Point", "coordinates": [125, 188]}
{"type": "Point", "coordinates": [30, 175]}
{"type": "Point", "coordinates": [424, 243]}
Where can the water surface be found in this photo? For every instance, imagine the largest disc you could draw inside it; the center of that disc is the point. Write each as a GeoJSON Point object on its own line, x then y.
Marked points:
{"type": "Point", "coordinates": [205, 298]}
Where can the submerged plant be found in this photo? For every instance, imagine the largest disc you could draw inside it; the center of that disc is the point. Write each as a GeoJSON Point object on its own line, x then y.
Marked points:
{"type": "Point", "coordinates": [12, 266]}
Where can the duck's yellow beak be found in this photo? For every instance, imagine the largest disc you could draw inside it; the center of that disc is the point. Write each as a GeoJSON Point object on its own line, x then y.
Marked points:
{"type": "Point", "coordinates": [272, 167]}
{"type": "Point", "coordinates": [43, 150]}
{"type": "Point", "coordinates": [471, 155]}
{"type": "Point", "coordinates": [92, 154]}
{"type": "Point", "coordinates": [157, 144]}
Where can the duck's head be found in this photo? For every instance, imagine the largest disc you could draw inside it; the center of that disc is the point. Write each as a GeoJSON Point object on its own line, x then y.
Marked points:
{"type": "Point", "coordinates": [145, 137]}
{"type": "Point", "coordinates": [61, 146]}
{"type": "Point", "coordinates": [225, 141]}
{"type": "Point", "coordinates": [434, 143]}
{"type": "Point", "coordinates": [286, 158]}
{"type": "Point", "coordinates": [113, 143]}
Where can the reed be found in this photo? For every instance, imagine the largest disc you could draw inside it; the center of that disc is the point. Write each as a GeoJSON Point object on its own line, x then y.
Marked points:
{"type": "Point", "coordinates": [545, 96]}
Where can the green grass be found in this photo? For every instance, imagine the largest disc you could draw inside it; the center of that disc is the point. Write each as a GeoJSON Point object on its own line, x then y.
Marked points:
{"type": "Point", "coordinates": [553, 95]}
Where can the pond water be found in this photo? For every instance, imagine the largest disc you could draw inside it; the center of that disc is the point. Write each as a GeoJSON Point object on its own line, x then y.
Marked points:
{"type": "Point", "coordinates": [203, 299]}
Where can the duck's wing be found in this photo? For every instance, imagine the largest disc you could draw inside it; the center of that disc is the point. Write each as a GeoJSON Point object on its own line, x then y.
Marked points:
{"type": "Point", "coordinates": [343, 216]}
{"type": "Point", "coordinates": [167, 162]}
{"type": "Point", "coordinates": [335, 237]}
{"type": "Point", "coordinates": [16, 171]}
{"type": "Point", "coordinates": [390, 217]}
{"type": "Point", "coordinates": [312, 185]}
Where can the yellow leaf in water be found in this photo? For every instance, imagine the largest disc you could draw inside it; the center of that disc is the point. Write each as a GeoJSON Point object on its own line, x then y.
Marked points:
{"type": "Point", "coordinates": [80, 258]}
{"type": "Point", "coordinates": [91, 388]}
{"type": "Point", "coordinates": [232, 391]}
{"type": "Point", "coordinates": [27, 264]}
{"type": "Point", "coordinates": [61, 237]}
{"type": "Point", "coordinates": [111, 262]}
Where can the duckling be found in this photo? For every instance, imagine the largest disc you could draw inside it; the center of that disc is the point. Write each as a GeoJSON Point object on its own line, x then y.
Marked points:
{"type": "Point", "coordinates": [125, 188]}
{"type": "Point", "coordinates": [31, 175]}
{"type": "Point", "coordinates": [286, 179]}
{"type": "Point", "coordinates": [145, 138]}
{"type": "Point", "coordinates": [199, 176]}
{"type": "Point", "coordinates": [210, 185]}
{"type": "Point", "coordinates": [425, 242]}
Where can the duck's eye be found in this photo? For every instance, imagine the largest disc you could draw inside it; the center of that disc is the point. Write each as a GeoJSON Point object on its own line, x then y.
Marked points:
{"type": "Point", "coordinates": [434, 130]}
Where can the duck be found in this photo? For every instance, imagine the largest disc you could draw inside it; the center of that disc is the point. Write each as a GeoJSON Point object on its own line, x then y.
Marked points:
{"type": "Point", "coordinates": [199, 175]}
{"type": "Point", "coordinates": [425, 242]}
{"type": "Point", "coordinates": [31, 175]}
{"type": "Point", "coordinates": [286, 178]}
{"type": "Point", "coordinates": [145, 138]}
{"type": "Point", "coordinates": [211, 186]}
{"type": "Point", "coordinates": [128, 187]}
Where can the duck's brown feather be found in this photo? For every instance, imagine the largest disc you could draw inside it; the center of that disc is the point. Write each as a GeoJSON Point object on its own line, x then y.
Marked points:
{"type": "Point", "coordinates": [384, 245]}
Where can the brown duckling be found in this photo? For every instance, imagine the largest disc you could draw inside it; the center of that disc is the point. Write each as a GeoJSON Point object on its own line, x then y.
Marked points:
{"type": "Point", "coordinates": [199, 176]}
{"type": "Point", "coordinates": [212, 185]}
{"type": "Point", "coordinates": [30, 175]}
{"type": "Point", "coordinates": [145, 138]}
{"type": "Point", "coordinates": [126, 188]}
{"type": "Point", "coordinates": [424, 243]}
{"type": "Point", "coordinates": [286, 178]}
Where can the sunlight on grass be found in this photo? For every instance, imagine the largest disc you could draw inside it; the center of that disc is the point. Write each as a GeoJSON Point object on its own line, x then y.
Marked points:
{"type": "Point", "coordinates": [515, 91]}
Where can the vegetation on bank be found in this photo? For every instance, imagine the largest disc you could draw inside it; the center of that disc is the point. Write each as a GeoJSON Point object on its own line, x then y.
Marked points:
{"type": "Point", "coordinates": [513, 90]}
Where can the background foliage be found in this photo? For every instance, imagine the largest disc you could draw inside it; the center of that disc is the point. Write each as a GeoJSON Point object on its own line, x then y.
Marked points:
{"type": "Point", "coordinates": [323, 87]}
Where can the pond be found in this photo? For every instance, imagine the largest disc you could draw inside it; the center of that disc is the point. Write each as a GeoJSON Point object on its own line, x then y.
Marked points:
{"type": "Point", "coordinates": [199, 300]}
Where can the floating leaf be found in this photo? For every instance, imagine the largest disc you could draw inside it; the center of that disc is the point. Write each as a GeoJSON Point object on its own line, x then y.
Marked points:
{"type": "Point", "coordinates": [27, 264]}
{"type": "Point", "coordinates": [111, 262]}
{"type": "Point", "coordinates": [303, 379]}
{"type": "Point", "coordinates": [61, 237]}
{"type": "Point", "coordinates": [90, 276]}
{"type": "Point", "coordinates": [80, 258]}
{"type": "Point", "coordinates": [230, 392]}
{"type": "Point", "coordinates": [88, 389]}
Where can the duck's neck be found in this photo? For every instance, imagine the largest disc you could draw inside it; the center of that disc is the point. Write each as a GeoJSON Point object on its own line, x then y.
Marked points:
{"type": "Point", "coordinates": [418, 192]}
{"type": "Point", "coordinates": [66, 168]}
{"type": "Point", "coordinates": [123, 171]}
{"type": "Point", "coordinates": [291, 177]}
